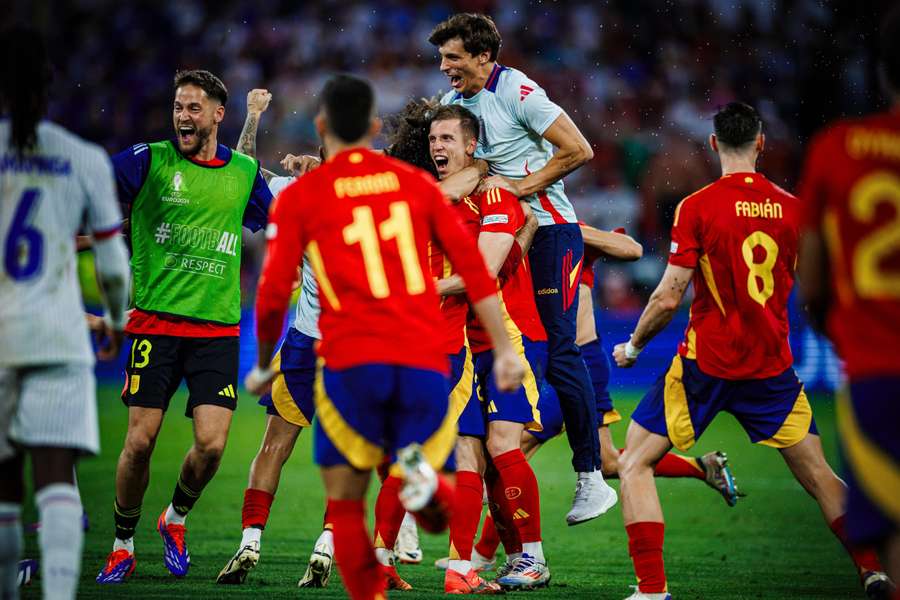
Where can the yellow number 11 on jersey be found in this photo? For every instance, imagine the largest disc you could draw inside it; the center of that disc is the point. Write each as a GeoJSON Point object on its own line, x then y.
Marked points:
{"type": "Point", "coordinates": [397, 226]}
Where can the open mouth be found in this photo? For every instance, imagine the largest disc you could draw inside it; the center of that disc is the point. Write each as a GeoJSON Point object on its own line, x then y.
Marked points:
{"type": "Point", "coordinates": [441, 162]}
{"type": "Point", "coordinates": [455, 81]}
{"type": "Point", "coordinates": [186, 134]}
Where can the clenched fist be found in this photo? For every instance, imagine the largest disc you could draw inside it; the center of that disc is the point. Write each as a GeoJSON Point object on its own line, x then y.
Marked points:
{"type": "Point", "coordinates": [258, 100]}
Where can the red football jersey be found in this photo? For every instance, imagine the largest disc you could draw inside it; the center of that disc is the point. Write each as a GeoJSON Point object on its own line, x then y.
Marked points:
{"type": "Point", "coordinates": [851, 192]}
{"type": "Point", "coordinates": [455, 308]}
{"type": "Point", "coordinates": [364, 221]}
{"type": "Point", "coordinates": [502, 213]}
{"type": "Point", "coordinates": [740, 233]}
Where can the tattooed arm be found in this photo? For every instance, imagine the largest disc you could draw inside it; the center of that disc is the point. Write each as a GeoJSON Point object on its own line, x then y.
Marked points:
{"type": "Point", "coordinates": [257, 103]}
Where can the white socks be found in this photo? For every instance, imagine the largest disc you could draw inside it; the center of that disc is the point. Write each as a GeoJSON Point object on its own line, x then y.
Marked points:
{"type": "Point", "coordinates": [460, 566]}
{"type": "Point", "coordinates": [250, 535]}
{"type": "Point", "coordinates": [173, 517]}
{"type": "Point", "coordinates": [60, 538]}
{"type": "Point", "coordinates": [534, 549]}
{"type": "Point", "coordinates": [10, 548]}
{"type": "Point", "coordinates": [124, 545]}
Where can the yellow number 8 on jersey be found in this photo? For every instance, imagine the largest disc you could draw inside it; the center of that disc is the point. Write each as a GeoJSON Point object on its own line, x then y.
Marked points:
{"type": "Point", "coordinates": [763, 270]}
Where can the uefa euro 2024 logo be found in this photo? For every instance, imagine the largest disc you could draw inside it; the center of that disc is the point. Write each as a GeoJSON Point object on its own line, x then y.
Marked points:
{"type": "Point", "coordinates": [177, 181]}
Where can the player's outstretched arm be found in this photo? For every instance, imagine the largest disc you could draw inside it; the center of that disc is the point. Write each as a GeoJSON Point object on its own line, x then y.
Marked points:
{"type": "Point", "coordinates": [659, 311]}
{"type": "Point", "coordinates": [113, 278]}
{"type": "Point", "coordinates": [257, 103]}
{"type": "Point", "coordinates": [612, 243]}
{"type": "Point", "coordinates": [813, 277]}
{"type": "Point", "coordinates": [572, 151]}
{"type": "Point", "coordinates": [283, 253]}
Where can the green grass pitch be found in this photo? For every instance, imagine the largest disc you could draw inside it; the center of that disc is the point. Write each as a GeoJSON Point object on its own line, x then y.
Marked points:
{"type": "Point", "coordinates": [773, 545]}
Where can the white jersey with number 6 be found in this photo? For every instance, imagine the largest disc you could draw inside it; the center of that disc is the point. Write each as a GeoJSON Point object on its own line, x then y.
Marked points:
{"type": "Point", "coordinates": [47, 195]}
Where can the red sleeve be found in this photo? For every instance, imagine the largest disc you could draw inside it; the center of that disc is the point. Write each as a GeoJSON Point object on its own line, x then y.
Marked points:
{"type": "Point", "coordinates": [283, 253]}
{"type": "Point", "coordinates": [812, 190]}
{"type": "Point", "coordinates": [500, 212]}
{"type": "Point", "coordinates": [685, 250]}
{"type": "Point", "coordinates": [460, 248]}
{"type": "Point", "coordinates": [512, 262]}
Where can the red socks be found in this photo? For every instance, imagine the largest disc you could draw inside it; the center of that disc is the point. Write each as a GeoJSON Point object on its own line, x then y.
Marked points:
{"type": "Point", "coordinates": [353, 550]}
{"type": "Point", "coordinates": [645, 545]}
{"type": "Point", "coordinates": [675, 465]}
{"type": "Point", "coordinates": [863, 557]}
{"type": "Point", "coordinates": [388, 513]}
{"type": "Point", "coordinates": [255, 512]}
{"type": "Point", "coordinates": [520, 488]}
{"type": "Point", "coordinates": [466, 514]}
{"type": "Point", "coordinates": [487, 545]}
{"type": "Point", "coordinates": [503, 520]}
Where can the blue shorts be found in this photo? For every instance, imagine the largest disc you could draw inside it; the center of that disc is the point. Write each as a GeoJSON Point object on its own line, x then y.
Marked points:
{"type": "Point", "coordinates": [597, 363]}
{"type": "Point", "coordinates": [368, 412]}
{"type": "Point", "coordinates": [491, 404]}
{"type": "Point", "coordinates": [870, 446]}
{"type": "Point", "coordinates": [773, 411]}
{"type": "Point", "coordinates": [291, 397]}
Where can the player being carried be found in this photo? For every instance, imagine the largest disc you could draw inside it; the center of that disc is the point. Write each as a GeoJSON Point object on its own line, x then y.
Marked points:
{"type": "Point", "coordinates": [519, 126]}
{"type": "Point", "coordinates": [365, 221]}
{"type": "Point", "coordinates": [187, 200]}
{"type": "Point", "coordinates": [53, 184]}
{"type": "Point", "coordinates": [491, 421]}
{"type": "Point", "coordinates": [736, 239]}
{"type": "Point", "coordinates": [849, 273]}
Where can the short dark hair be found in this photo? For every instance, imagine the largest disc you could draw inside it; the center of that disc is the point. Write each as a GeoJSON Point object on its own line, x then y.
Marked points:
{"type": "Point", "coordinates": [468, 122]}
{"type": "Point", "coordinates": [24, 83]}
{"type": "Point", "coordinates": [407, 134]}
{"type": "Point", "coordinates": [736, 125]}
{"type": "Point", "coordinates": [477, 32]}
{"type": "Point", "coordinates": [204, 80]}
{"type": "Point", "coordinates": [890, 49]}
{"type": "Point", "coordinates": [349, 102]}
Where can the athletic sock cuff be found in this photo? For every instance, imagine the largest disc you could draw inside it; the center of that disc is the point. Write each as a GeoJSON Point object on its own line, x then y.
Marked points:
{"type": "Point", "coordinates": [469, 479]}
{"type": "Point", "coordinates": [58, 492]}
{"type": "Point", "coordinates": [338, 509]}
{"type": "Point", "coordinates": [508, 459]}
{"type": "Point", "coordinates": [645, 536]}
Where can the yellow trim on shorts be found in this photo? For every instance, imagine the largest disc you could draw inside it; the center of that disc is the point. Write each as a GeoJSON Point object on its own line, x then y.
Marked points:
{"type": "Point", "coordinates": [529, 382]}
{"type": "Point", "coordinates": [795, 426]}
{"type": "Point", "coordinates": [611, 416]}
{"type": "Point", "coordinates": [283, 400]}
{"type": "Point", "coordinates": [876, 473]}
{"type": "Point", "coordinates": [462, 391]}
{"type": "Point", "coordinates": [678, 417]}
{"type": "Point", "coordinates": [359, 452]}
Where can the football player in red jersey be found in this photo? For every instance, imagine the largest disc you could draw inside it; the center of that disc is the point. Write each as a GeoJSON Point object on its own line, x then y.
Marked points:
{"type": "Point", "coordinates": [737, 240]}
{"type": "Point", "coordinates": [498, 419]}
{"type": "Point", "coordinates": [850, 274]}
{"type": "Point", "coordinates": [365, 221]}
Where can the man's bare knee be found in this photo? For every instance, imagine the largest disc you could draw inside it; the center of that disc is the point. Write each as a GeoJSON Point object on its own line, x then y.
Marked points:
{"type": "Point", "coordinates": [210, 449]}
{"type": "Point", "coordinates": [138, 448]}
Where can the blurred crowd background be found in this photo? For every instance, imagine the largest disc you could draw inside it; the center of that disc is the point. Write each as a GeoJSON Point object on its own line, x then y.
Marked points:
{"type": "Point", "coordinates": [641, 78]}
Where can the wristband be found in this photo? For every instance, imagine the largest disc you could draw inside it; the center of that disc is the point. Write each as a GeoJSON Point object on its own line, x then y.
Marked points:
{"type": "Point", "coordinates": [631, 351]}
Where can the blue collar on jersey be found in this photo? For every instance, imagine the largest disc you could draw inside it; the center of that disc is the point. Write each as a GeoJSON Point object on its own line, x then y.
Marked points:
{"type": "Point", "coordinates": [492, 80]}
